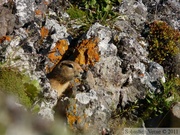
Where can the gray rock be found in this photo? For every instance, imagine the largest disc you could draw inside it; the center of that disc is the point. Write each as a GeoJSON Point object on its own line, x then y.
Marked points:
{"type": "Point", "coordinates": [25, 11]}
{"type": "Point", "coordinates": [168, 11]}
{"type": "Point", "coordinates": [177, 67]}
{"type": "Point", "coordinates": [60, 30]}
{"type": "Point", "coordinates": [16, 57]}
{"type": "Point", "coordinates": [7, 22]}
{"type": "Point", "coordinates": [85, 98]}
{"type": "Point", "coordinates": [135, 12]}
{"type": "Point", "coordinates": [106, 48]}
{"type": "Point", "coordinates": [46, 112]}
{"type": "Point", "coordinates": [175, 115]}
{"type": "Point", "coordinates": [3, 1]}
{"type": "Point", "coordinates": [156, 72]}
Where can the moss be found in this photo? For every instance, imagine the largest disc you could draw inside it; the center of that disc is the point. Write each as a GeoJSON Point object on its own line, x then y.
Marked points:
{"type": "Point", "coordinates": [163, 43]}
{"type": "Point", "coordinates": [21, 86]}
{"type": "Point", "coordinates": [75, 12]}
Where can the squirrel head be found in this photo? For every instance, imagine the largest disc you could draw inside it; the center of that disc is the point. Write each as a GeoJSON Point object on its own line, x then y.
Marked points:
{"type": "Point", "coordinates": [67, 70]}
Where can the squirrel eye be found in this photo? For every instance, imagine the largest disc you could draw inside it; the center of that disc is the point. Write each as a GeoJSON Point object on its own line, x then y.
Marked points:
{"type": "Point", "coordinates": [70, 65]}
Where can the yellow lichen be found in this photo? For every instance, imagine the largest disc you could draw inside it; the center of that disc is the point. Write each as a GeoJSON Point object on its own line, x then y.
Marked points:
{"type": "Point", "coordinates": [56, 54]}
{"type": "Point", "coordinates": [44, 32]}
{"type": "Point", "coordinates": [74, 118]}
{"type": "Point", "coordinates": [7, 38]}
{"type": "Point", "coordinates": [87, 52]}
{"type": "Point", "coordinates": [38, 12]}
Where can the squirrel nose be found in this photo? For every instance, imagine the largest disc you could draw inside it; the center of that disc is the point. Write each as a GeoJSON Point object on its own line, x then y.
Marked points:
{"type": "Point", "coordinates": [81, 74]}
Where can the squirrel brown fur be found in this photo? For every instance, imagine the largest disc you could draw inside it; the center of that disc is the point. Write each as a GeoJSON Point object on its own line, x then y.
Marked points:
{"type": "Point", "coordinates": [62, 74]}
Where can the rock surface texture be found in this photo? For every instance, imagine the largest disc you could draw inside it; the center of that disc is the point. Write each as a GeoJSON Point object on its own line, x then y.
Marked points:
{"type": "Point", "coordinates": [117, 70]}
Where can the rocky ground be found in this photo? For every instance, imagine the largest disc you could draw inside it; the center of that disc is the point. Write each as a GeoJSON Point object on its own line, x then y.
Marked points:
{"type": "Point", "coordinates": [119, 76]}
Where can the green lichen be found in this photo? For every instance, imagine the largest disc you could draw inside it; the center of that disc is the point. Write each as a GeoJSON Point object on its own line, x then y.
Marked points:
{"type": "Point", "coordinates": [12, 82]}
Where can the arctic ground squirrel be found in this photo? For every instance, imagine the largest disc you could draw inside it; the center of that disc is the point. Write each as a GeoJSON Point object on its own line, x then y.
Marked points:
{"type": "Point", "coordinates": [62, 74]}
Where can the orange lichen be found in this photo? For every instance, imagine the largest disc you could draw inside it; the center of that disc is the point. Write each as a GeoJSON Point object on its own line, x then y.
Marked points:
{"type": "Point", "coordinates": [55, 55]}
{"type": "Point", "coordinates": [2, 39]}
{"type": "Point", "coordinates": [8, 38]}
{"type": "Point", "coordinates": [38, 12]}
{"type": "Point", "coordinates": [87, 52]}
{"type": "Point", "coordinates": [46, 3]}
{"type": "Point", "coordinates": [44, 32]}
{"type": "Point", "coordinates": [76, 80]}
{"type": "Point", "coordinates": [73, 118]}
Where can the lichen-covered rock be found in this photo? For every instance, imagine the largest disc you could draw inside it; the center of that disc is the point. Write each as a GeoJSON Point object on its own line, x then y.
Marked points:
{"type": "Point", "coordinates": [24, 11]}
{"type": "Point", "coordinates": [122, 75]}
{"type": "Point", "coordinates": [104, 34]}
{"type": "Point", "coordinates": [25, 50]}
{"type": "Point", "coordinates": [60, 31]}
{"type": "Point", "coordinates": [115, 60]}
{"type": "Point", "coordinates": [87, 52]}
{"type": "Point", "coordinates": [105, 79]}
{"type": "Point", "coordinates": [56, 54]}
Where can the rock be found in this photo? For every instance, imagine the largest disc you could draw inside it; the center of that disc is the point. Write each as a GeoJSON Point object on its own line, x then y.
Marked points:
{"type": "Point", "coordinates": [7, 21]}
{"type": "Point", "coordinates": [135, 13]}
{"type": "Point", "coordinates": [41, 9]}
{"type": "Point", "coordinates": [167, 11]}
{"type": "Point", "coordinates": [106, 48]}
{"type": "Point", "coordinates": [22, 62]}
{"type": "Point", "coordinates": [106, 80]}
{"type": "Point", "coordinates": [177, 67]}
{"type": "Point", "coordinates": [156, 72]}
{"type": "Point", "coordinates": [115, 59]}
{"type": "Point", "coordinates": [3, 1]}
{"type": "Point", "coordinates": [138, 63]}
{"type": "Point", "coordinates": [90, 79]}
{"type": "Point", "coordinates": [122, 75]}
{"type": "Point", "coordinates": [24, 11]}
{"type": "Point", "coordinates": [85, 98]}
{"type": "Point", "coordinates": [60, 31]}
{"type": "Point", "coordinates": [175, 113]}
{"type": "Point", "coordinates": [46, 113]}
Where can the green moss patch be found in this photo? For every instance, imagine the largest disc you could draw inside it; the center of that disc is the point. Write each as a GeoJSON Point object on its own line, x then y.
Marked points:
{"type": "Point", "coordinates": [19, 85]}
